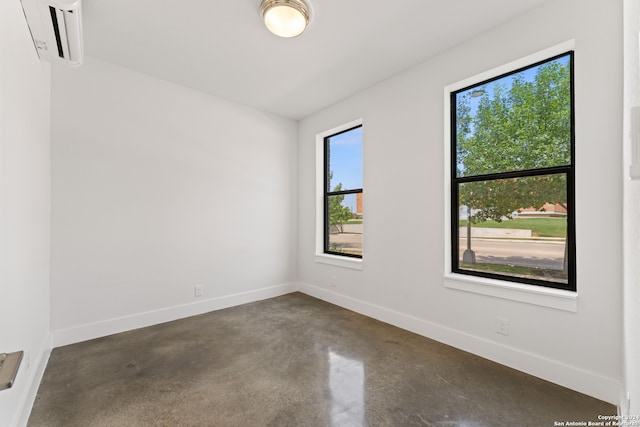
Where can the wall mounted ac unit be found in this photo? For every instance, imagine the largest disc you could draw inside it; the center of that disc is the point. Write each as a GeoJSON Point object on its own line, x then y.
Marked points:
{"type": "Point", "coordinates": [56, 29]}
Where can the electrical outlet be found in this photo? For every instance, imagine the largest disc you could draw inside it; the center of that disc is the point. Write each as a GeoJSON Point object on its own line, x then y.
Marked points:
{"type": "Point", "coordinates": [502, 326]}
{"type": "Point", "coordinates": [197, 290]}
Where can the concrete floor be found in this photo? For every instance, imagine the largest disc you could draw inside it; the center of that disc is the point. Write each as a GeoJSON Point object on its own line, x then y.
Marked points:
{"type": "Point", "coordinates": [291, 361]}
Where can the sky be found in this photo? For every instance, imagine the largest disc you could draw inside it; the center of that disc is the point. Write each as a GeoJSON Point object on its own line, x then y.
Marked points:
{"type": "Point", "coordinates": [346, 162]}
{"type": "Point", "coordinates": [346, 159]}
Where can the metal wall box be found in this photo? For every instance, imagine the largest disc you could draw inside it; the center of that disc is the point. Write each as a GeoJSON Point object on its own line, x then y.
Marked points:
{"type": "Point", "coordinates": [9, 364]}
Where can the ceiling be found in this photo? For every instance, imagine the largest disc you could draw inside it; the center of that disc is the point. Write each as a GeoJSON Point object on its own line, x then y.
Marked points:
{"type": "Point", "coordinates": [221, 47]}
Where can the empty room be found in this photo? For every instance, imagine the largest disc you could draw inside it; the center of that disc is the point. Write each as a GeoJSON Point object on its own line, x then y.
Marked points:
{"type": "Point", "coordinates": [319, 212]}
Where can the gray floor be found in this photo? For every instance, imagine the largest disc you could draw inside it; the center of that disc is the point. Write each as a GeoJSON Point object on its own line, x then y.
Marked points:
{"type": "Point", "coordinates": [291, 361]}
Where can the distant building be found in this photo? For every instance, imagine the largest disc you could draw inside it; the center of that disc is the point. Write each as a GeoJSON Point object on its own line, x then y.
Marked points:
{"type": "Point", "coordinates": [547, 211]}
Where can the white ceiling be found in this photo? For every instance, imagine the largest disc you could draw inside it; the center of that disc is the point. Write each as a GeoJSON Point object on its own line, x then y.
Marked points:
{"type": "Point", "coordinates": [221, 47]}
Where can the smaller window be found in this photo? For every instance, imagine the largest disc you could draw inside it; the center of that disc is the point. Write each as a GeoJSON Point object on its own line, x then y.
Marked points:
{"type": "Point", "coordinates": [343, 215]}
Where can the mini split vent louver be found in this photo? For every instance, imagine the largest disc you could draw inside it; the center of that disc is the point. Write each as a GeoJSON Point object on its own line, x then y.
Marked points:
{"type": "Point", "coordinates": [56, 29]}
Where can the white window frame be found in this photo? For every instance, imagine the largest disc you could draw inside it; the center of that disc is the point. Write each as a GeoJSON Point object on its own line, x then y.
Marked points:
{"type": "Point", "coordinates": [320, 256]}
{"type": "Point", "coordinates": [538, 295]}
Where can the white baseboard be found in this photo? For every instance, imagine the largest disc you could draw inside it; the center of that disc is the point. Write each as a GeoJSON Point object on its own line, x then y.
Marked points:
{"type": "Point", "coordinates": [141, 320]}
{"type": "Point", "coordinates": [577, 379]}
{"type": "Point", "coordinates": [33, 383]}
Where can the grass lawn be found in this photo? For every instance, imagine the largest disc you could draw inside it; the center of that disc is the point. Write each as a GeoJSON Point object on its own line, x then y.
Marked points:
{"type": "Point", "coordinates": [540, 227]}
{"type": "Point", "coordinates": [499, 268]}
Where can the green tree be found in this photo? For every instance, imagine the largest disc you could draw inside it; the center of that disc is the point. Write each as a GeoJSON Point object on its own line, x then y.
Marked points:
{"type": "Point", "coordinates": [338, 214]}
{"type": "Point", "coordinates": [517, 126]}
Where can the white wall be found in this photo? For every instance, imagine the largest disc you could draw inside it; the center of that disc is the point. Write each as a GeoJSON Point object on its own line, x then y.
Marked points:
{"type": "Point", "coordinates": [156, 189]}
{"type": "Point", "coordinates": [401, 281]}
{"type": "Point", "coordinates": [631, 209]}
{"type": "Point", "coordinates": [24, 209]}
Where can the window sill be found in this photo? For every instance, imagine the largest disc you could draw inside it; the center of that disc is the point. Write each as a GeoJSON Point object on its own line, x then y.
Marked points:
{"type": "Point", "coordinates": [340, 261]}
{"type": "Point", "coordinates": [546, 297]}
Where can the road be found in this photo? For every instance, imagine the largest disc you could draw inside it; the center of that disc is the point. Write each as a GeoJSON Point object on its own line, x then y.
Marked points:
{"type": "Point", "coordinates": [520, 252]}
{"type": "Point", "coordinates": [526, 253]}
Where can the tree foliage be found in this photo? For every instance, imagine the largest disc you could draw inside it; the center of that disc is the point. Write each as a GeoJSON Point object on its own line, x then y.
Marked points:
{"type": "Point", "coordinates": [338, 214]}
{"type": "Point", "coordinates": [518, 125]}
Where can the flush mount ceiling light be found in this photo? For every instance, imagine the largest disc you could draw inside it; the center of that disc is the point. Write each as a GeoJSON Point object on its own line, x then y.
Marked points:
{"type": "Point", "coordinates": [285, 18]}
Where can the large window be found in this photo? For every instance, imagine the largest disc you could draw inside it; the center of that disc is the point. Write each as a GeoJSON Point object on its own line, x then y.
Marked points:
{"type": "Point", "coordinates": [343, 216]}
{"type": "Point", "coordinates": [512, 176]}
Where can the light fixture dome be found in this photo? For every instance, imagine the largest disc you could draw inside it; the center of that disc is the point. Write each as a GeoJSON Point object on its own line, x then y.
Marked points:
{"type": "Point", "coordinates": [285, 18]}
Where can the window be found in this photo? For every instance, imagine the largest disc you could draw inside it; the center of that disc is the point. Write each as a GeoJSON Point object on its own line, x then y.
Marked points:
{"type": "Point", "coordinates": [512, 176]}
{"type": "Point", "coordinates": [343, 216]}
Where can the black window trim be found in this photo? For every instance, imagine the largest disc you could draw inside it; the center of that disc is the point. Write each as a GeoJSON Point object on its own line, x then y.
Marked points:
{"type": "Point", "coordinates": [327, 194]}
{"type": "Point", "coordinates": [569, 170]}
